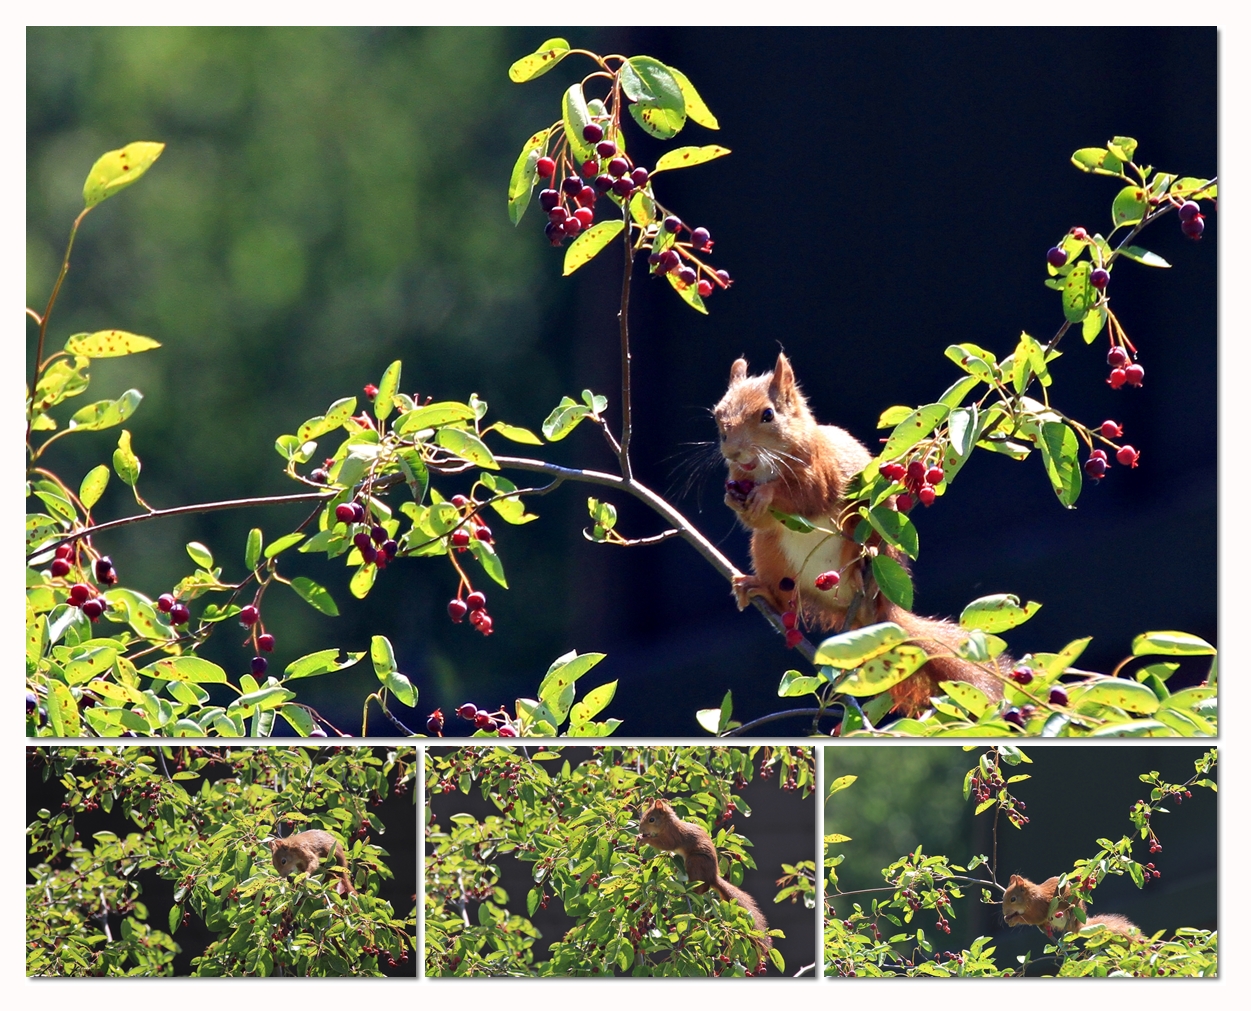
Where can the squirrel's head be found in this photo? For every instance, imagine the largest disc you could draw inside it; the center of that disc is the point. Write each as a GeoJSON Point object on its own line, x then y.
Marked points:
{"type": "Point", "coordinates": [654, 819]}
{"type": "Point", "coordinates": [761, 419]}
{"type": "Point", "coordinates": [287, 859]}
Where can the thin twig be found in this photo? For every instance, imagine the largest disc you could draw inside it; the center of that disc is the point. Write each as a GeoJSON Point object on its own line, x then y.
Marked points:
{"type": "Point", "coordinates": [623, 322]}
{"type": "Point", "coordinates": [773, 717]}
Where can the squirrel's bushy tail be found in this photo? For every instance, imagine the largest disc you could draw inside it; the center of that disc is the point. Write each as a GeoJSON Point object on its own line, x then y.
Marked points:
{"type": "Point", "coordinates": [1116, 923]}
{"type": "Point", "coordinates": [729, 891]}
{"type": "Point", "coordinates": [940, 639]}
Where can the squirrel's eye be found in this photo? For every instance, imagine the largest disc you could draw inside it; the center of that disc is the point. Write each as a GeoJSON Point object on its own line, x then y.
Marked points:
{"type": "Point", "coordinates": [767, 414]}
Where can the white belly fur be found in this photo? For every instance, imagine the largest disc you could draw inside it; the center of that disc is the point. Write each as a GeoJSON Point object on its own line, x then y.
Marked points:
{"type": "Point", "coordinates": [811, 554]}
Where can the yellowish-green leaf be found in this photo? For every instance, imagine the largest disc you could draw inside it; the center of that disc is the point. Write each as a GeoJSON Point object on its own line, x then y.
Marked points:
{"type": "Point", "coordinates": [695, 107]}
{"type": "Point", "coordinates": [516, 433]}
{"type": "Point", "coordinates": [467, 446]}
{"type": "Point", "coordinates": [539, 62]}
{"type": "Point", "coordinates": [116, 170]}
{"type": "Point", "coordinates": [109, 344]}
{"type": "Point", "coordinates": [388, 386]}
{"type": "Point", "coordinates": [685, 157]}
{"type": "Point", "coordinates": [1171, 644]}
{"type": "Point", "coordinates": [590, 244]}
{"type": "Point", "coordinates": [850, 649]}
{"type": "Point", "coordinates": [185, 668]}
{"type": "Point", "coordinates": [125, 462]}
{"type": "Point", "coordinates": [883, 671]}
{"type": "Point", "coordinates": [93, 486]}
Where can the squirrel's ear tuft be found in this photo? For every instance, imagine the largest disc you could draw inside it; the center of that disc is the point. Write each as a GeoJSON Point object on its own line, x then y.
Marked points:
{"type": "Point", "coordinates": [782, 386]}
{"type": "Point", "coordinates": [273, 846]}
{"type": "Point", "coordinates": [1014, 880]}
{"type": "Point", "coordinates": [738, 371]}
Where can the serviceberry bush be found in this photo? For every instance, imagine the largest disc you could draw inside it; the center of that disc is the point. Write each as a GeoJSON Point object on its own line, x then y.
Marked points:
{"type": "Point", "coordinates": [403, 476]}
{"type": "Point", "coordinates": [884, 931]}
{"type": "Point", "coordinates": [198, 820]}
{"type": "Point", "coordinates": [576, 823]}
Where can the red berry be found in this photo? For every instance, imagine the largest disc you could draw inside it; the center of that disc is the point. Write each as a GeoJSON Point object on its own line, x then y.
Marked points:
{"type": "Point", "coordinates": [1078, 233]}
{"type": "Point", "coordinates": [545, 166]}
{"type": "Point", "coordinates": [827, 580]}
{"type": "Point", "coordinates": [1116, 378]}
{"type": "Point", "coordinates": [164, 602]}
{"type": "Point", "coordinates": [460, 538]}
{"type": "Point", "coordinates": [476, 600]}
{"type": "Point", "coordinates": [483, 720]}
{"type": "Point", "coordinates": [1117, 358]}
{"type": "Point", "coordinates": [79, 593]}
{"type": "Point", "coordinates": [248, 615]}
{"type": "Point", "coordinates": [640, 176]}
{"type": "Point", "coordinates": [1022, 675]}
{"type": "Point", "coordinates": [1134, 374]}
{"type": "Point", "coordinates": [459, 501]}
{"type": "Point", "coordinates": [904, 503]}
{"type": "Point", "coordinates": [590, 166]}
{"type": "Point", "coordinates": [672, 223]}
{"type": "Point", "coordinates": [1127, 456]}
{"type": "Point", "coordinates": [93, 608]}
{"type": "Point", "coordinates": [585, 215]}
{"type": "Point", "coordinates": [927, 495]}
{"type": "Point", "coordinates": [1057, 257]}
{"type": "Point", "coordinates": [64, 551]}
{"type": "Point", "coordinates": [606, 149]}
{"type": "Point", "coordinates": [507, 731]}
{"type": "Point", "coordinates": [557, 215]}
{"type": "Point", "coordinates": [572, 227]}
{"type": "Point", "coordinates": [793, 638]}
{"type": "Point", "coordinates": [916, 472]}
{"type": "Point", "coordinates": [434, 724]}
{"type": "Point", "coordinates": [265, 641]}
{"type": "Point", "coordinates": [934, 475]}
{"type": "Point", "coordinates": [483, 623]}
{"type": "Point", "coordinates": [371, 390]}
{"type": "Point", "coordinates": [586, 196]}
{"type": "Point", "coordinates": [179, 614]}
{"type": "Point", "coordinates": [592, 132]}
{"type": "Point", "coordinates": [789, 619]}
{"type": "Point", "coordinates": [704, 287]}
{"type": "Point", "coordinates": [1099, 278]}
{"type": "Point", "coordinates": [483, 533]}
{"type": "Point", "coordinates": [344, 513]}
{"type": "Point", "coordinates": [259, 665]}
{"type": "Point", "coordinates": [1058, 697]}
{"type": "Point", "coordinates": [468, 711]}
{"type": "Point", "coordinates": [457, 609]}
{"type": "Point", "coordinates": [1110, 430]}
{"type": "Point", "coordinates": [60, 567]}
{"type": "Point", "coordinates": [623, 187]}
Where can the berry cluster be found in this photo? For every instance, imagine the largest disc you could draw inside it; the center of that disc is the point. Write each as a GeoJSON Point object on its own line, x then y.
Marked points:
{"type": "Point", "coordinates": [1191, 220]}
{"type": "Point", "coordinates": [473, 605]}
{"type": "Point", "coordinates": [1096, 465]}
{"type": "Point", "coordinates": [919, 478]}
{"type": "Point", "coordinates": [481, 719]}
{"type": "Point", "coordinates": [1123, 372]}
{"type": "Point", "coordinates": [375, 544]}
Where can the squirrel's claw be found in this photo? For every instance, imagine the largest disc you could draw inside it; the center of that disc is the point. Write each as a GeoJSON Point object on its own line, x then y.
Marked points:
{"type": "Point", "coordinates": [746, 587]}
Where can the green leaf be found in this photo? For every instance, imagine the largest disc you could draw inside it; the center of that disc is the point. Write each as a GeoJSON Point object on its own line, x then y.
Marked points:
{"type": "Point", "coordinates": [633, 86]}
{"type": "Point", "coordinates": [299, 719]}
{"type": "Point", "coordinates": [592, 704]}
{"type": "Point", "coordinates": [850, 649]}
{"type": "Point", "coordinates": [533, 897]}
{"type": "Point", "coordinates": [109, 344]}
{"type": "Point", "coordinates": [556, 689]}
{"type": "Point", "coordinates": [415, 473]}
{"type": "Point", "coordinates": [1098, 160]}
{"type": "Point", "coordinates": [968, 696]}
{"type": "Point", "coordinates": [893, 580]}
{"type": "Point", "coordinates": [516, 433]}
{"type": "Point", "coordinates": [793, 522]}
{"type": "Point", "coordinates": [61, 380]}
{"type": "Point", "coordinates": [1079, 295]}
{"type": "Point", "coordinates": [892, 416]}
{"type": "Point", "coordinates": [388, 386]}
{"type": "Point", "coordinates": [511, 510]}
{"type": "Point", "coordinates": [314, 593]}
{"type": "Point", "coordinates": [976, 361]}
{"type": "Point", "coordinates": [383, 655]}
{"type": "Point", "coordinates": [1092, 323]}
{"type": "Point", "coordinates": [915, 427]}
{"type": "Point", "coordinates": [325, 661]}
{"type": "Point", "coordinates": [689, 293]}
{"type": "Point", "coordinates": [794, 684]}
{"type": "Point", "coordinates": [467, 446]}
{"type": "Point", "coordinates": [105, 413]}
{"type": "Point", "coordinates": [840, 784]}
{"type": "Point", "coordinates": [116, 170]}
{"type": "Point", "coordinates": [896, 529]}
{"type": "Point", "coordinates": [201, 555]}
{"type": "Point", "coordinates": [664, 115]}
{"type": "Point", "coordinates": [883, 671]}
{"type": "Point", "coordinates": [185, 668]}
{"type": "Point", "coordinates": [434, 415]}
{"type": "Point", "coordinates": [125, 463]}
{"type": "Point", "coordinates": [252, 550]}
{"type": "Point", "coordinates": [695, 107]}
{"type": "Point", "coordinates": [489, 560]}
{"type": "Point", "coordinates": [685, 157]}
{"type": "Point", "coordinates": [590, 243]}
{"type": "Point", "coordinates": [93, 486]}
{"type": "Point", "coordinates": [1123, 148]}
{"type": "Point", "coordinates": [576, 116]}
{"type": "Point", "coordinates": [1129, 206]}
{"type": "Point", "coordinates": [335, 416]}
{"type": "Point", "coordinates": [521, 183]}
{"type": "Point", "coordinates": [997, 612]}
{"type": "Point", "coordinates": [399, 686]}
{"type": "Point", "coordinates": [281, 545]}
{"type": "Point", "coordinates": [1128, 695]}
{"type": "Point", "coordinates": [1059, 453]}
{"type": "Point", "coordinates": [1143, 256]}
{"type": "Point", "coordinates": [564, 419]}
{"type": "Point", "coordinates": [539, 62]}
{"type": "Point", "coordinates": [1171, 644]}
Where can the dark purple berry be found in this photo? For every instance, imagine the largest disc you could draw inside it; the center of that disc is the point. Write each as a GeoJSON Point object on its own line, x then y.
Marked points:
{"type": "Point", "coordinates": [687, 275]}
{"type": "Point", "coordinates": [618, 167]}
{"type": "Point", "coordinates": [603, 183]}
{"type": "Point", "coordinates": [249, 614]}
{"type": "Point", "coordinates": [434, 725]}
{"type": "Point", "coordinates": [1058, 697]}
{"type": "Point", "coordinates": [640, 176]}
{"type": "Point", "coordinates": [265, 641]}
{"type": "Point", "coordinates": [379, 534]}
{"type": "Point", "coordinates": [344, 513]}
{"type": "Point", "coordinates": [1193, 228]}
{"type": "Point", "coordinates": [165, 602]}
{"type": "Point", "coordinates": [548, 199]}
{"type": "Point", "coordinates": [259, 665]}
{"type": "Point", "coordinates": [606, 148]}
{"type": "Point", "coordinates": [669, 259]}
{"type": "Point", "coordinates": [390, 548]}
{"type": "Point", "coordinates": [700, 239]}
{"type": "Point", "coordinates": [623, 187]}
{"type": "Point", "coordinates": [672, 223]}
{"type": "Point", "coordinates": [32, 703]}
{"type": "Point", "coordinates": [592, 132]}
{"type": "Point", "coordinates": [1099, 278]}
{"type": "Point", "coordinates": [361, 540]}
{"type": "Point", "coordinates": [93, 608]}
{"type": "Point", "coordinates": [1057, 257]}
{"type": "Point", "coordinates": [60, 567]}
{"type": "Point", "coordinates": [1188, 211]}
{"type": "Point", "coordinates": [369, 554]}
{"type": "Point", "coordinates": [319, 475]}
{"type": "Point", "coordinates": [571, 185]}
{"type": "Point", "coordinates": [1014, 717]}
{"type": "Point", "coordinates": [358, 512]}
{"type": "Point", "coordinates": [557, 215]}
{"type": "Point", "coordinates": [104, 568]}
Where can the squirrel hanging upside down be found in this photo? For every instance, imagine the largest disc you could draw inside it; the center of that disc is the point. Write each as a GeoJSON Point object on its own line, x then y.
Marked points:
{"type": "Point", "coordinates": [1027, 903]}
{"type": "Point", "coordinates": [661, 828]}
{"type": "Point", "coordinates": [780, 458]}
{"type": "Point", "coordinates": [305, 851]}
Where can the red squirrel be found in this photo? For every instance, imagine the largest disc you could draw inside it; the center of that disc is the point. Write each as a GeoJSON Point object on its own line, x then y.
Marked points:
{"type": "Point", "coordinates": [661, 828]}
{"type": "Point", "coordinates": [1027, 903]}
{"type": "Point", "coordinates": [780, 458]}
{"type": "Point", "coordinates": [305, 851]}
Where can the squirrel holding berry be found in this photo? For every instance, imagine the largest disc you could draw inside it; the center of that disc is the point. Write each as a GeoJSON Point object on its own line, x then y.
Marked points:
{"type": "Point", "coordinates": [780, 458]}
{"type": "Point", "coordinates": [1053, 911]}
{"type": "Point", "coordinates": [304, 852]}
{"type": "Point", "coordinates": [659, 827]}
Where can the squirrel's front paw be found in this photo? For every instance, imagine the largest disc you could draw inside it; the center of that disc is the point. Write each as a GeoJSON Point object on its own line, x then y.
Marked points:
{"type": "Point", "coordinates": [746, 587]}
{"type": "Point", "coordinates": [757, 502]}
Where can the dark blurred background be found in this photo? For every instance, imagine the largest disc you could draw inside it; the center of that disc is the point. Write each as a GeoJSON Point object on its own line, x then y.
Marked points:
{"type": "Point", "coordinates": [782, 829]}
{"type": "Point", "coordinates": [333, 199]}
{"type": "Point", "coordinates": [905, 797]}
